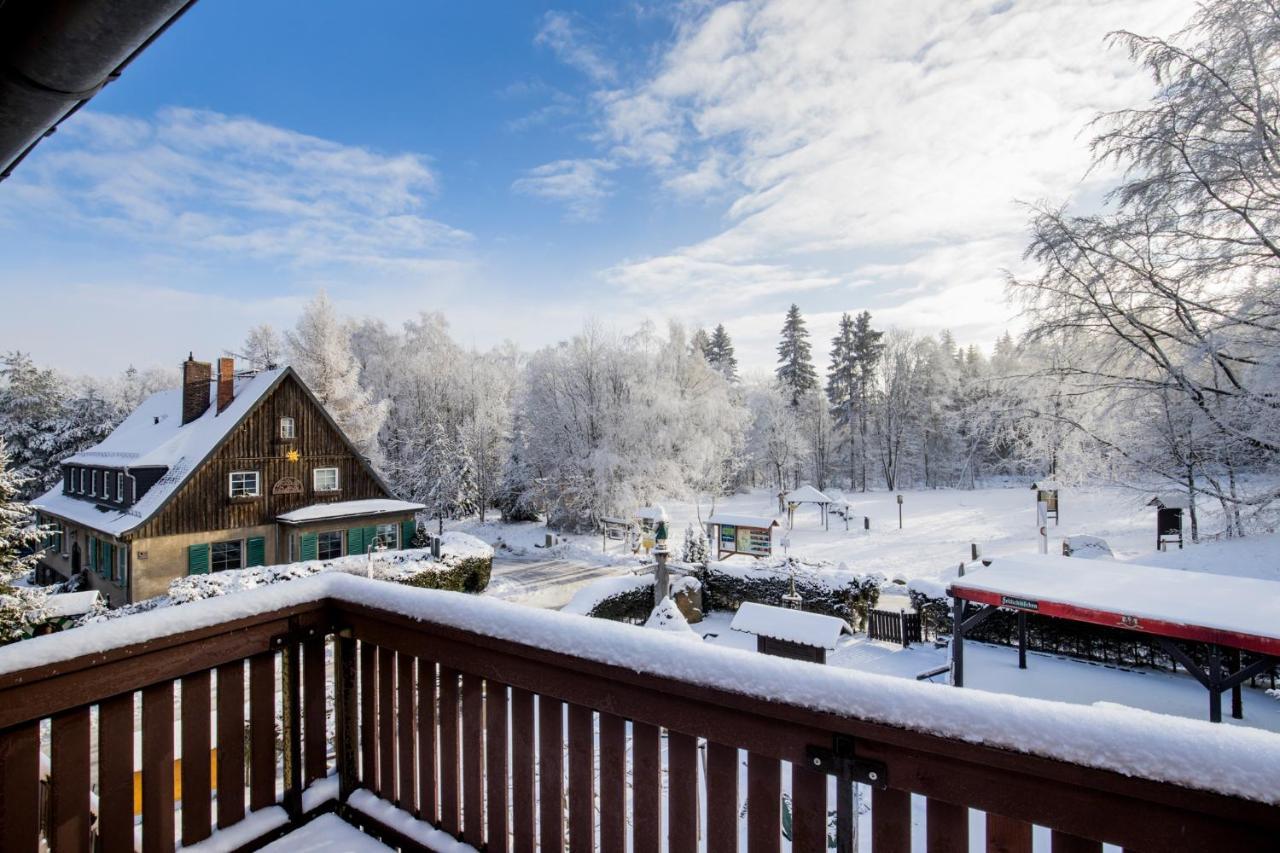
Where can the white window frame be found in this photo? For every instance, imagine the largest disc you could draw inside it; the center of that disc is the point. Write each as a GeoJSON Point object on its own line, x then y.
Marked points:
{"type": "Point", "coordinates": [244, 493]}
{"type": "Point", "coordinates": [292, 431]}
{"type": "Point", "coordinates": [81, 489]}
{"type": "Point", "coordinates": [240, 549]}
{"type": "Point", "coordinates": [342, 541]}
{"type": "Point", "coordinates": [93, 483]}
{"type": "Point", "coordinates": [119, 487]}
{"type": "Point", "coordinates": [66, 548]}
{"type": "Point", "coordinates": [393, 544]}
{"type": "Point", "coordinates": [315, 480]}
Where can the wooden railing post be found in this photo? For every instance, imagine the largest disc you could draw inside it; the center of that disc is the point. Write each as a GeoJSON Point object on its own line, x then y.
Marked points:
{"type": "Point", "coordinates": [291, 724]}
{"type": "Point", "coordinates": [345, 733]}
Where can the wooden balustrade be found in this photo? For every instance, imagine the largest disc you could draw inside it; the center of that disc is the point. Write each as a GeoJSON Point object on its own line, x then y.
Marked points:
{"type": "Point", "coordinates": [511, 747]}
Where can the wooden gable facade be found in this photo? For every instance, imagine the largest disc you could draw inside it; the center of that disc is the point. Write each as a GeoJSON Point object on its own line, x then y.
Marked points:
{"type": "Point", "coordinates": [285, 468]}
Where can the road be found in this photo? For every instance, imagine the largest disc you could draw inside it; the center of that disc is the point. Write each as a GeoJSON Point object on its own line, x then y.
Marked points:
{"type": "Point", "coordinates": [544, 583]}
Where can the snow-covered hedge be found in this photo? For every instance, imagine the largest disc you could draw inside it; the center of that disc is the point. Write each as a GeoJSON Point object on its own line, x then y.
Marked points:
{"type": "Point", "coordinates": [628, 598]}
{"type": "Point", "coordinates": [833, 590]}
{"type": "Point", "coordinates": [464, 566]}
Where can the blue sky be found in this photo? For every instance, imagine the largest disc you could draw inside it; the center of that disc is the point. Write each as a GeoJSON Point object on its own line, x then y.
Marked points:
{"type": "Point", "coordinates": [523, 167]}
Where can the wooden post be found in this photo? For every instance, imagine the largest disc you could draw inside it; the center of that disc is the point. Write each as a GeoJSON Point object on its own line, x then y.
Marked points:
{"type": "Point", "coordinates": [1022, 640]}
{"type": "Point", "coordinates": [957, 642]}
{"type": "Point", "coordinates": [661, 577]}
{"type": "Point", "coordinates": [1237, 699]}
{"type": "Point", "coordinates": [974, 551]}
{"type": "Point", "coordinates": [291, 722]}
{"type": "Point", "coordinates": [344, 669]}
{"type": "Point", "coordinates": [1215, 679]}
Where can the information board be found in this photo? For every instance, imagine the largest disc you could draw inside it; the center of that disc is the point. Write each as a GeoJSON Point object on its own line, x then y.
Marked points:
{"type": "Point", "coordinates": [728, 537]}
{"type": "Point", "coordinates": [754, 541]}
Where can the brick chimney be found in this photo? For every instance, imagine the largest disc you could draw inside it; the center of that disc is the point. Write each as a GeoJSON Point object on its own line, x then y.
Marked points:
{"type": "Point", "coordinates": [196, 376]}
{"type": "Point", "coordinates": [226, 382]}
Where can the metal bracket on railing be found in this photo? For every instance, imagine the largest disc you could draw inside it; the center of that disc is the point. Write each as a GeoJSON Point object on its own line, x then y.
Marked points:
{"type": "Point", "coordinates": [841, 762]}
{"type": "Point", "coordinates": [298, 633]}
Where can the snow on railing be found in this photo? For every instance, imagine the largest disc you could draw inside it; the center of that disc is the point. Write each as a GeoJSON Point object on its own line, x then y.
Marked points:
{"type": "Point", "coordinates": [1231, 760]}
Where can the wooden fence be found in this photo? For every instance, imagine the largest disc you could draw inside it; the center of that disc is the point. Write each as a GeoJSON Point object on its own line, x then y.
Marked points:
{"type": "Point", "coordinates": [894, 626]}
{"type": "Point", "coordinates": [510, 746]}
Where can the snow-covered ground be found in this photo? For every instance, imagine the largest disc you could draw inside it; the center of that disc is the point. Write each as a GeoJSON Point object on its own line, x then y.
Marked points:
{"type": "Point", "coordinates": [938, 528]}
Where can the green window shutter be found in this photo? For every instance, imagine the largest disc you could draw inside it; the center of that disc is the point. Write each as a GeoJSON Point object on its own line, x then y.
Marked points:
{"type": "Point", "coordinates": [408, 529]}
{"type": "Point", "coordinates": [355, 540]}
{"type": "Point", "coordinates": [370, 536]}
{"type": "Point", "coordinates": [257, 551]}
{"type": "Point", "coordinates": [92, 552]}
{"type": "Point", "coordinates": [198, 560]}
{"type": "Point", "coordinates": [110, 573]}
{"type": "Point", "coordinates": [308, 546]}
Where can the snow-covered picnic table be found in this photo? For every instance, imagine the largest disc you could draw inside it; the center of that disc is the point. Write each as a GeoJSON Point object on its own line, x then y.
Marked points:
{"type": "Point", "coordinates": [1235, 613]}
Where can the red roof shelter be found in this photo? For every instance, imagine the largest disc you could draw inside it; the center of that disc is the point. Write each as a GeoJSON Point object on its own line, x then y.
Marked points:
{"type": "Point", "coordinates": [1226, 613]}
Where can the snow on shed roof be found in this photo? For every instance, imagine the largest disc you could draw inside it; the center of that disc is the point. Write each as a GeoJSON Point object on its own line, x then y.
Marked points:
{"type": "Point", "coordinates": [71, 603]}
{"type": "Point", "coordinates": [1046, 485]}
{"type": "Point", "coordinates": [154, 436]}
{"type": "Point", "coordinates": [806, 494]}
{"type": "Point", "coordinates": [348, 509]}
{"type": "Point", "coordinates": [1173, 500]}
{"type": "Point", "coordinates": [742, 520]}
{"type": "Point", "coordinates": [783, 623]}
{"type": "Point", "coordinates": [1249, 606]}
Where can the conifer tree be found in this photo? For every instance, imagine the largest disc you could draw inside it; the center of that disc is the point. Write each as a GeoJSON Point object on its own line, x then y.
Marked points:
{"type": "Point", "coordinates": [867, 350]}
{"type": "Point", "coordinates": [720, 354]}
{"type": "Point", "coordinates": [795, 371]}
{"type": "Point", "coordinates": [20, 608]}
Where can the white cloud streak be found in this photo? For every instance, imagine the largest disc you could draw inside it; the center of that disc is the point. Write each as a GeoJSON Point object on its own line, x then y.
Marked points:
{"type": "Point", "coordinates": [581, 185]}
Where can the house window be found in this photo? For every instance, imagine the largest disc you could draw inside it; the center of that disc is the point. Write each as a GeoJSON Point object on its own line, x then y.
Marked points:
{"type": "Point", "coordinates": [224, 556]}
{"type": "Point", "coordinates": [122, 568]}
{"type": "Point", "coordinates": [329, 545]}
{"type": "Point", "coordinates": [69, 476]}
{"type": "Point", "coordinates": [93, 484]}
{"type": "Point", "coordinates": [81, 489]}
{"type": "Point", "coordinates": [120, 488]}
{"type": "Point", "coordinates": [287, 428]}
{"type": "Point", "coordinates": [387, 535]}
{"type": "Point", "coordinates": [325, 479]}
{"type": "Point", "coordinates": [244, 484]}
{"type": "Point", "coordinates": [64, 543]}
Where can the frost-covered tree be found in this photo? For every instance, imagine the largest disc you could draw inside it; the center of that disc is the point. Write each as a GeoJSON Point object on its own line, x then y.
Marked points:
{"type": "Point", "coordinates": [795, 369]}
{"type": "Point", "coordinates": [320, 351]}
{"type": "Point", "coordinates": [31, 420]}
{"type": "Point", "coordinates": [263, 348]}
{"type": "Point", "coordinates": [1166, 305]}
{"type": "Point", "coordinates": [20, 541]}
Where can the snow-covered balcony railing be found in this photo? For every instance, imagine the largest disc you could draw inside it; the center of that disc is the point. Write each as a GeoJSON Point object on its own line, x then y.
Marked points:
{"type": "Point", "coordinates": [403, 709]}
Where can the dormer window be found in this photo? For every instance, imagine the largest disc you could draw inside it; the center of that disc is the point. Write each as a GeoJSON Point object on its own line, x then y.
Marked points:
{"type": "Point", "coordinates": [244, 484]}
{"type": "Point", "coordinates": [119, 488]}
{"type": "Point", "coordinates": [81, 489]}
{"type": "Point", "coordinates": [288, 429]}
{"type": "Point", "coordinates": [93, 484]}
{"type": "Point", "coordinates": [68, 480]}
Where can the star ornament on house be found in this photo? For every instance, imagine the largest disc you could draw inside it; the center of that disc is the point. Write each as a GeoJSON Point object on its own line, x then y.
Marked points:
{"type": "Point", "coordinates": [293, 456]}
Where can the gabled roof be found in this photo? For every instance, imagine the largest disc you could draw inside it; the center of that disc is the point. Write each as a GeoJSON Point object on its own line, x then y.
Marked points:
{"type": "Point", "coordinates": [807, 494]}
{"type": "Point", "coordinates": [742, 520]}
{"type": "Point", "coordinates": [153, 435]}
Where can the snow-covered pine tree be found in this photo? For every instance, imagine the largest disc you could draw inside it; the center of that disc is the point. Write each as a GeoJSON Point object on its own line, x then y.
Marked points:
{"type": "Point", "coordinates": [867, 351]}
{"type": "Point", "coordinates": [20, 539]}
{"type": "Point", "coordinates": [843, 382]}
{"type": "Point", "coordinates": [700, 343]}
{"type": "Point", "coordinates": [31, 413]}
{"type": "Point", "coordinates": [696, 549]}
{"type": "Point", "coordinates": [720, 355]}
{"type": "Point", "coordinates": [320, 350]}
{"type": "Point", "coordinates": [795, 370]}
{"type": "Point", "coordinates": [463, 487]}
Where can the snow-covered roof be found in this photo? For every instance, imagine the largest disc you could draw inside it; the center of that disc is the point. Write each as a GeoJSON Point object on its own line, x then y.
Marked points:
{"type": "Point", "coordinates": [795, 626]}
{"type": "Point", "coordinates": [806, 494]}
{"type": "Point", "coordinates": [1173, 500]}
{"type": "Point", "coordinates": [348, 509]}
{"type": "Point", "coordinates": [742, 520]}
{"type": "Point", "coordinates": [652, 513]}
{"type": "Point", "coordinates": [153, 436]}
{"type": "Point", "coordinates": [71, 603]}
{"type": "Point", "coordinates": [1046, 485]}
{"type": "Point", "coordinates": [1248, 606]}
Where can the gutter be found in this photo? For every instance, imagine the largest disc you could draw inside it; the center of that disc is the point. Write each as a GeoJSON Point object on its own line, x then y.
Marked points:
{"type": "Point", "coordinates": [55, 55]}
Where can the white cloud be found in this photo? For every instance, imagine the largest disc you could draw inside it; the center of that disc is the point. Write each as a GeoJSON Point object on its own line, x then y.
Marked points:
{"type": "Point", "coordinates": [581, 185]}
{"type": "Point", "coordinates": [193, 180]}
{"type": "Point", "coordinates": [559, 33]}
{"type": "Point", "coordinates": [844, 131]}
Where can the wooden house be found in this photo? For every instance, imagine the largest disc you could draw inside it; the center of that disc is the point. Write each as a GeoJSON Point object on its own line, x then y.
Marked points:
{"type": "Point", "coordinates": [227, 472]}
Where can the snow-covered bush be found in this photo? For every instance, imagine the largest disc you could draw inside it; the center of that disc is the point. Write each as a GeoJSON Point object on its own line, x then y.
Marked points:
{"type": "Point", "coordinates": [628, 598]}
{"type": "Point", "coordinates": [833, 591]}
{"type": "Point", "coordinates": [696, 549]}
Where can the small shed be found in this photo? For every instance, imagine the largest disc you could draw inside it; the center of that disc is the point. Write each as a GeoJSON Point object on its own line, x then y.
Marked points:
{"type": "Point", "coordinates": [1047, 493]}
{"type": "Point", "coordinates": [806, 494]}
{"type": "Point", "coordinates": [789, 633]}
{"type": "Point", "coordinates": [741, 534]}
{"type": "Point", "coordinates": [1169, 509]}
{"type": "Point", "coordinates": [65, 608]}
